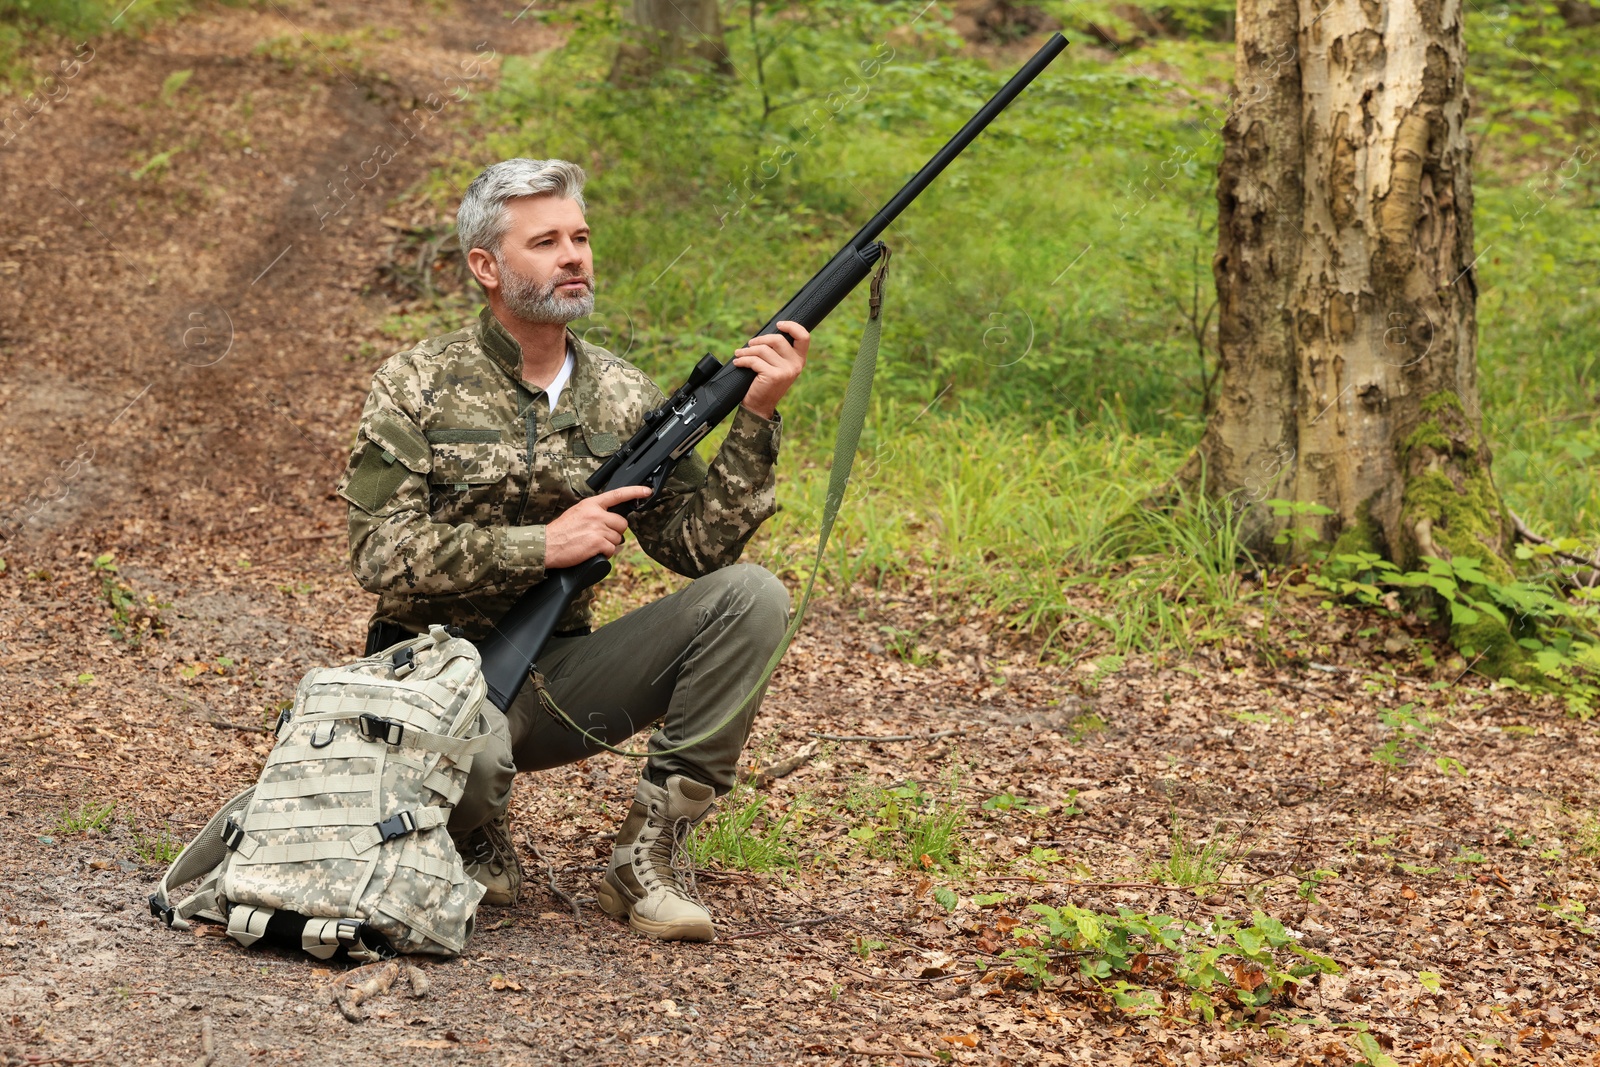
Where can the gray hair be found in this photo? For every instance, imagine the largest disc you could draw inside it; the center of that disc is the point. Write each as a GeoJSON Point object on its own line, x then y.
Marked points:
{"type": "Point", "coordinates": [481, 221]}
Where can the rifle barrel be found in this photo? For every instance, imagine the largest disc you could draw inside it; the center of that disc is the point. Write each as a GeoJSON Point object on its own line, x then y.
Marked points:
{"type": "Point", "coordinates": [957, 144]}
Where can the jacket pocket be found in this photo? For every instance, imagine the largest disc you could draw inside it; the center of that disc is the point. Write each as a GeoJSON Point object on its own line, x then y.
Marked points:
{"type": "Point", "coordinates": [462, 465]}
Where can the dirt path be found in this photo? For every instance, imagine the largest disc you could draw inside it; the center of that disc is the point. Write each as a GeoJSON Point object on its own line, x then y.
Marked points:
{"type": "Point", "coordinates": [192, 327]}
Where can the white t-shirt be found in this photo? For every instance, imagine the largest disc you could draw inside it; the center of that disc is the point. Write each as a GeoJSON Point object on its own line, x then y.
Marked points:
{"type": "Point", "coordinates": [563, 376]}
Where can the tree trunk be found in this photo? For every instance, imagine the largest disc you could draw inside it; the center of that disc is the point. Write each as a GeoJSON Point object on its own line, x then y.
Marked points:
{"type": "Point", "coordinates": [1344, 273]}
{"type": "Point", "coordinates": [669, 30]}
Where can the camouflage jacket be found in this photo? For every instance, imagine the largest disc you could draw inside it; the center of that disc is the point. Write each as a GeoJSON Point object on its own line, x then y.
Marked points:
{"type": "Point", "coordinates": [459, 464]}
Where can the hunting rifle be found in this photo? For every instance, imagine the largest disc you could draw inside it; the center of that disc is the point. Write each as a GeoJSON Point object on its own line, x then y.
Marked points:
{"type": "Point", "coordinates": [712, 392]}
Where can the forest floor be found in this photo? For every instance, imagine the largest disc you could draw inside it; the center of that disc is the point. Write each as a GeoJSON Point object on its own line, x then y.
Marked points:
{"type": "Point", "coordinates": [178, 383]}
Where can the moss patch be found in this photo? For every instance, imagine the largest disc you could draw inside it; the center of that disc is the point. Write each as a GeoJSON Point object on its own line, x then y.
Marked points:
{"type": "Point", "coordinates": [1465, 521]}
{"type": "Point", "coordinates": [1444, 400]}
{"type": "Point", "coordinates": [1363, 536]}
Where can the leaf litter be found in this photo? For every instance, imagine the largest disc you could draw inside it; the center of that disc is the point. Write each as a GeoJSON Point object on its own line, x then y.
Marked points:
{"type": "Point", "coordinates": [972, 856]}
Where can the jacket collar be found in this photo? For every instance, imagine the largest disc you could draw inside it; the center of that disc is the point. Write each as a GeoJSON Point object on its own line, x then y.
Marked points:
{"type": "Point", "coordinates": [583, 387]}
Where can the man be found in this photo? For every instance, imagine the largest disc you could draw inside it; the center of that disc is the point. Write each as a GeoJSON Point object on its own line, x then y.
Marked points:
{"type": "Point", "coordinates": [468, 480]}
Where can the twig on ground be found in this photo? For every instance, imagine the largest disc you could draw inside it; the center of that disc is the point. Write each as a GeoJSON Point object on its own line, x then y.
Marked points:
{"type": "Point", "coordinates": [1302, 689]}
{"type": "Point", "coordinates": [914, 981]}
{"type": "Point", "coordinates": [221, 724]}
{"type": "Point", "coordinates": [891, 737]}
{"type": "Point", "coordinates": [762, 777]}
{"type": "Point", "coordinates": [1523, 532]}
{"type": "Point", "coordinates": [1123, 885]}
{"type": "Point", "coordinates": [780, 927]}
{"type": "Point", "coordinates": [550, 879]}
{"type": "Point", "coordinates": [208, 1043]}
{"type": "Point", "coordinates": [351, 989]}
{"type": "Point", "coordinates": [211, 717]}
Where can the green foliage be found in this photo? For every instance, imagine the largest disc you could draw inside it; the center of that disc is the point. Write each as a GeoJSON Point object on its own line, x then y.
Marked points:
{"type": "Point", "coordinates": [1410, 728]}
{"type": "Point", "coordinates": [1188, 865]}
{"type": "Point", "coordinates": [173, 84]}
{"type": "Point", "coordinates": [132, 619]}
{"type": "Point", "coordinates": [911, 827]}
{"type": "Point", "coordinates": [27, 26]}
{"type": "Point", "coordinates": [89, 815]}
{"type": "Point", "coordinates": [1009, 801]}
{"type": "Point", "coordinates": [158, 849]}
{"type": "Point", "coordinates": [1372, 1053]}
{"type": "Point", "coordinates": [1216, 963]}
{"type": "Point", "coordinates": [1522, 630]}
{"type": "Point", "coordinates": [743, 836]}
{"type": "Point", "coordinates": [1313, 881]}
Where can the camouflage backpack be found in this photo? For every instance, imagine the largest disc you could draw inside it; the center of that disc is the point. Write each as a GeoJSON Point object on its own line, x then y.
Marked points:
{"type": "Point", "coordinates": [341, 845]}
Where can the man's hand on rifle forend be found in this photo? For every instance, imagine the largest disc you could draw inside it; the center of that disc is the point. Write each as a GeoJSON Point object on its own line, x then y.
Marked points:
{"type": "Point", "coordinates": [777, 364]}
{"type": "Point", "coordinates": [588, 529]}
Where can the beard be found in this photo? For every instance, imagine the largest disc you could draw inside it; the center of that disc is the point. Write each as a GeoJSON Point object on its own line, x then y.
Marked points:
{"type": "Point", "coordinates": [531, 302]}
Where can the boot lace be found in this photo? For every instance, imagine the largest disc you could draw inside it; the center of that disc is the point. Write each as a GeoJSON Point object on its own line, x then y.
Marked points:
{"type": "Point", "coordinates": [672, 862]}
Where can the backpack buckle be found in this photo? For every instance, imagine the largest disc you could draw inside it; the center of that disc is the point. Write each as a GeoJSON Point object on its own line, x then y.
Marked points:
{"type": "Point", "coordinates": [349, 930]}
{"type": "Point", "coordinates": [165, 912]}
{"type": "Point", "coordinates": [377, 728]}
{"type": "Point", "coordinates": [232, 835]}
{"type": "Point", "coordinates": [405, 661]}
{"type": "Point", "coordinates": [284, 718]}
{"type": "Point", "coordinates": [397, 826]}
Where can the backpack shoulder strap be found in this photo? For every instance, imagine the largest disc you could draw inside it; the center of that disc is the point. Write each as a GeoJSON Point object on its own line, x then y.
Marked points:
{"type": "Point", "coordinates": [199, 859]}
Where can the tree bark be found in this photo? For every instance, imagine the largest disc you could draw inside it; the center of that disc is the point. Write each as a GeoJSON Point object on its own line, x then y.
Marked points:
{"type": "Point", "coordinates": [670, 30]}
{"type": "Point", "coordinates": [1344, 273]}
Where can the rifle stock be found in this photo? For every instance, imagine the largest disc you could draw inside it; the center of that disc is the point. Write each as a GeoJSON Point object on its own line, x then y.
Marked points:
{"type": "Point", "coordinates": [709, 396]}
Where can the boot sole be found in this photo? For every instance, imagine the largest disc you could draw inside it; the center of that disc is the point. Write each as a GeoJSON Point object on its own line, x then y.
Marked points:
{"type": "Point", "coordinates": [616, 905]}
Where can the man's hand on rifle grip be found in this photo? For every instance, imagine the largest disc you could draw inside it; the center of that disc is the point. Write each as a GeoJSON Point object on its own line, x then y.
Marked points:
{"type": "Point", "coordinates": [777, 359]}
{"type": "Point", "coordinates": [588, 528]}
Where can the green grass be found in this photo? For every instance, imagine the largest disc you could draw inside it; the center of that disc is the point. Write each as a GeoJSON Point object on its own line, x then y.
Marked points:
{"type": "Point", "coordinates": [906, 825]}
{"type": "Point", "coordinates": [1189, 864]}
{"type": "Point", "coordinates": [89, 815]}
{"type": "Point", "coordinates": [743, 836]}
{"type": "Point", "coordinates": [157, 849]}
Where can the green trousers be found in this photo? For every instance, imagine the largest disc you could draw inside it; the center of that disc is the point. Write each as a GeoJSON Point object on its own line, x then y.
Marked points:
{"type": "Point", "coordinates": [679, 664]}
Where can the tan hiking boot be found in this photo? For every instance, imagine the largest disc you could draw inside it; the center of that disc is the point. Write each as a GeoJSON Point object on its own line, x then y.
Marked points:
{"type": "Point", "coordinates": [489, 856]}
{"type": "Point", "coordinates": [650, 861]}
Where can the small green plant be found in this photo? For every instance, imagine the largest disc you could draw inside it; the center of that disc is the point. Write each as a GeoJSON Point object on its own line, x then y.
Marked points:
{"type": "Point", "coordinates": [1188, 865]}
{"type": "Point", "coordinates": [1296, 534]}
{"type": "Point", "coordinates": [132, 619]}
{"type": "Point", "coordinates": [158, 849]}
{"type": "Point", "coordinates": [88, 816]}
{"type": "Point", "coordinates": [1089, 723]}
{"type": "Point", "coordinates": [903, 644]}
{"type": "Point", "coordinates": [1217, 962]}
{"type": "Point", "coordinates": [173, 83]}
{"type": "Point", "coordinates": [1411, 728]}
{"type": "Point", "coordinates": [1372, 1054]}
{"type": "Point", "coordinates": [866, 946]}
{"type": "Point", "coordinates": [1586, 836]}
{"type": "Point", "coordinates": [1313, 881]}
{"type": "Point", "coordinates": [1009, 801]}
{"type": "Point", "coordinates": [743, 837]}
{"type": "Point", "coordinates": [1104, 667]}
{"type": "Point", "coordinates": [912, 828]}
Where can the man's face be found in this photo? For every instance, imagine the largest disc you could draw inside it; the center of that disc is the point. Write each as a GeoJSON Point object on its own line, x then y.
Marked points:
{"type": "Point", "coordinates": [545, 267]}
